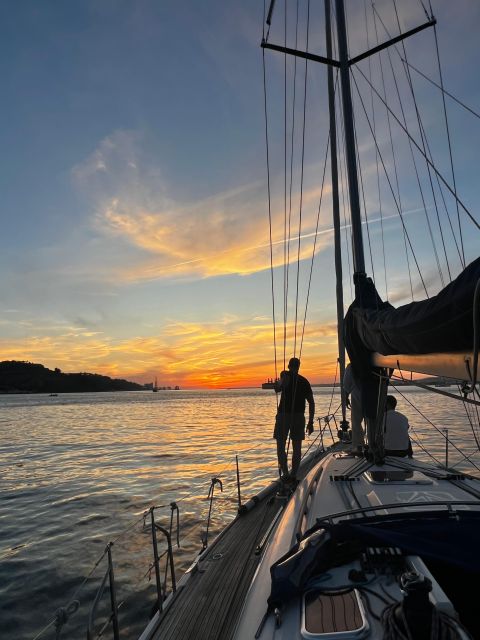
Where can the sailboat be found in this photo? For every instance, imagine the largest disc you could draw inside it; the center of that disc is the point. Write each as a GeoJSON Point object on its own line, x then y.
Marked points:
{"type": "Point", "coordinates": [270, 383]}
{"type": "Point", "coordinates": [368, 545]}
{"type": "Point", "coordinates": [155, 386]}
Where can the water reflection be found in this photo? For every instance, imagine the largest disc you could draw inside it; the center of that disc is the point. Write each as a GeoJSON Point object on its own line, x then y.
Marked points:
{"type": "Point", "coordinates": [78, 469]}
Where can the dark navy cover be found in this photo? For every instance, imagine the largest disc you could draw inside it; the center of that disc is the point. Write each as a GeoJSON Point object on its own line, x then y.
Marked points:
{"type": "Point", "coordinates": [443, 323]}
{"type": "Point", "coordinates": [430, 535]}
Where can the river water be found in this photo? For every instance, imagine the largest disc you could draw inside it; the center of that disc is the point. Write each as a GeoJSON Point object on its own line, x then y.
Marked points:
{"type": "Point", "coordinates": [79, 470]}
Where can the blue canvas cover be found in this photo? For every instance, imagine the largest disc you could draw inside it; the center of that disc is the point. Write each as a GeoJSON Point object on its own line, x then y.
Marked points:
{"type": "Point", "coordinates": [431, 535]}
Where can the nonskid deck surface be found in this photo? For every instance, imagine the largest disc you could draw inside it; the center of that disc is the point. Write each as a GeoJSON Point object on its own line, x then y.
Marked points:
{"type": "Point", "coordinates": [207, 606]}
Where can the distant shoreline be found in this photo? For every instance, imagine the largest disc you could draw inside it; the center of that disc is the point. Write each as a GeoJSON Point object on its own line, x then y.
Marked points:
{"type": "Point", "coordinates": [19, 377]}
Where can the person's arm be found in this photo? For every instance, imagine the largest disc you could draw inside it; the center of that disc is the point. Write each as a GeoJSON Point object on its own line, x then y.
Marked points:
{"type": "Point", "coordinates": [311, 410]}
{"type": "Point", "coordinates": [347, 401]}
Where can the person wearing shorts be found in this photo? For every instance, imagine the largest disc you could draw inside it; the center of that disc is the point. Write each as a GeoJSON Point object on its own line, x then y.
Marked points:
{"type": "Point", "coordinates": [290, 419]}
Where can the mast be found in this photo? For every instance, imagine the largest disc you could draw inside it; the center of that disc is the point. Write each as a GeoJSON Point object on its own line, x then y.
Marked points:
{"type": "Point", "coordinates": [336, 209]}
{"type": "Point", "coordinates": [373, 425]}
{"type": "Point", "coordinates": [357, 239]}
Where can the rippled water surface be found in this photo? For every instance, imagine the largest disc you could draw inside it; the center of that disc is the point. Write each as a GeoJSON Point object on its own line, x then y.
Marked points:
{"type": "Point", "coordinates": [79, 470]}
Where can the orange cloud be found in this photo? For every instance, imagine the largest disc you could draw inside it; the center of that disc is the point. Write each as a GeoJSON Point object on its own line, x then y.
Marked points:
{"type": "Point", "coordinates": [231, 353]}
{"type": "Point", "coordinates": [225, 233]}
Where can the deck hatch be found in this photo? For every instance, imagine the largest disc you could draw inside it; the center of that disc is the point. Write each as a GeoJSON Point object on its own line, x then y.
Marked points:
{"type": "Point", "coordinates": [336, 615]}
{"type": "Point", "coordinates": [396, 476]}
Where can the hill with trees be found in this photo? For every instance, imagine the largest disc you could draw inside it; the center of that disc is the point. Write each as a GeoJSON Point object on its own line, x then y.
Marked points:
{"type": "Point", "coordinates": [28, 377]}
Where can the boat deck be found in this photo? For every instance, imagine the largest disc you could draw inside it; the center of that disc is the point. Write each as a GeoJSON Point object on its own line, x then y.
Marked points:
{"type": "Point", "coordinates": [207, 605]}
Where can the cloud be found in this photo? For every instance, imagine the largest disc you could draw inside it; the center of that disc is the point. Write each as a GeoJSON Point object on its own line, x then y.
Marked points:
{"type": "Point", "coordinates": [234, 351]}
{"type": "Point", "coordinates": [225, 233]}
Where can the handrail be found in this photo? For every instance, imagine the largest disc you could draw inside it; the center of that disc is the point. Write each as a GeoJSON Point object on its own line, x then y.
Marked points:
{"type": "Point", "coordinates": [174, 507]}
{"type": "Point", "coordinates": [238, 485]}
{"type": "Point", "coordinates": [162, 589]}
{"type": "Point", "coordinates": [398, 505]}
{"type": "Point", "coordinates": [169, 561]}
{"type": "Point", "coordinates": [210, 495]}
{"type": "Point", "coordinates": [326, 420]}
{"type": "Point", "coordinates": [113, 599]}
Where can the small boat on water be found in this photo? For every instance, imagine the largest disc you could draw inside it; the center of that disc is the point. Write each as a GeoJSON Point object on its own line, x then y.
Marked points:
{"type": "Point", "coordinates": [270, 383]}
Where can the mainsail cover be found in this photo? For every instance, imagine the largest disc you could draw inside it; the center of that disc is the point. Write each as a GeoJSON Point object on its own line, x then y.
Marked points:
{"type": "Point", "coordinates": [440, 324]}
{"type": "Point", "coordinates": [443, 323]}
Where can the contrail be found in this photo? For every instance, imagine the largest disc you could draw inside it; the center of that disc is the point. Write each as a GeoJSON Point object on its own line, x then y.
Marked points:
{"type": "Point", "coordinates": [278, 242]}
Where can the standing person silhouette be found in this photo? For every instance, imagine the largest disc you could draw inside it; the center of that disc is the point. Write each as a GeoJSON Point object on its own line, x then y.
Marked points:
{"type": "Point", "coordinates": [290, 418]}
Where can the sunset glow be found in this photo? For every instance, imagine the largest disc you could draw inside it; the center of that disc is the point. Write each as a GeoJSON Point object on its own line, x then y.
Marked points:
{"type": "Point", "coordinates": [136, 224]}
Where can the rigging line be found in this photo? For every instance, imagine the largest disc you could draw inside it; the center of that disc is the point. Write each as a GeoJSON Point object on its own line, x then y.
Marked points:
{"type": "Point", "coordinates": [431, 423]}
{"type": "Point", "coordinates": [417, 441]}
{"type": "Point", "coordinates": [439, 391]}
{"type": "Point", "coordinates": [476, 337]}
{"type": "Point", "coordinates": [314, 246]}
{"type": "Point", "coordinates": [397, 181]}
{"type": "Point", "coordinates": [390, 185]}
{"type": "Point", "coordinates": [333, 390]}
{"type": "Point", "coordinates": [267, 19]}
{"type": "Point", "coordinates": [450, 95]}
{"type": "Point", "coordinates": [468, 457]}
{"type": "Point", "coordinates": [127, 529]}
{"type": "Point", "coordinates": [301, 182]}
{"type": "Point", "coordinates": [218, 473]}
{"type": "Point", "coordinates": [425, 144]}
{"type": "Point", "coordinates": [421, 152]}
{"type": "Point", "coordinates": [340, 151]}
{"type": "Point", "coordinates": [264, 18]}
{"type": "Point", "coordinates": [342, 163]}
{"type": "Point", "coordinates": [357, 148]}
{"type": "Point", "coordinates": [376, 154]}
{"type": "Point", "coordinates": [410, 141]}
{"type": "Point", "coordinates": [40, 633]}
{"type": "Point", "coordinates": [357, 152]}
{"type": "Point", "coordinates": [471, 422]}
{"type": "Point", "coordinates": [478, 416]}
{"type": "Point", "coordinates": [472, 425]}
{"type": "Point", "coordinates": [345, 198]}
{"type": "Point", "coordinates": [82, 584]}
{"type": "Point", "coordinates": [311, 445]}
{"type": "Point", "coordinates": [269, 212]}
{"type": "Point", "coordinates": [285, 190]}
{"type": "Point", "coordinates": [449, 141]}
{"type": "Point", "coordinates": [291, 179]}
{"type": "Point", "coordinates": [304, 455]}
{"type": "Point", "coordinates": [465, 401]}
{"type": "Point", "coordinates": [425, 9]}
{"type": "Point", "coordinates": [425, 208]}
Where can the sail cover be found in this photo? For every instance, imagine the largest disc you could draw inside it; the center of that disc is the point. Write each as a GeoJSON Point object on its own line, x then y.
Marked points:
{"type": "Point", "coordinates": [443, 323]}
{"type": "Point", "coordinates": [440, 324]}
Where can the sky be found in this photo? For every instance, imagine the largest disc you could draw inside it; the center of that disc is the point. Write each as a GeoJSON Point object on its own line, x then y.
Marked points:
{"type": "Point", "coordinates": [135, 238]}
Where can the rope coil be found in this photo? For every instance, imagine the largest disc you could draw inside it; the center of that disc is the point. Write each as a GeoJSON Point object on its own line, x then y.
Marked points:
{"type": "Point", "coordinates": [63, 614]}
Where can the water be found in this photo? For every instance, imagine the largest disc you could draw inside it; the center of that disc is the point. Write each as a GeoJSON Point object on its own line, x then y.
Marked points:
{"type": "Point", "coordinates": [79, 470]}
